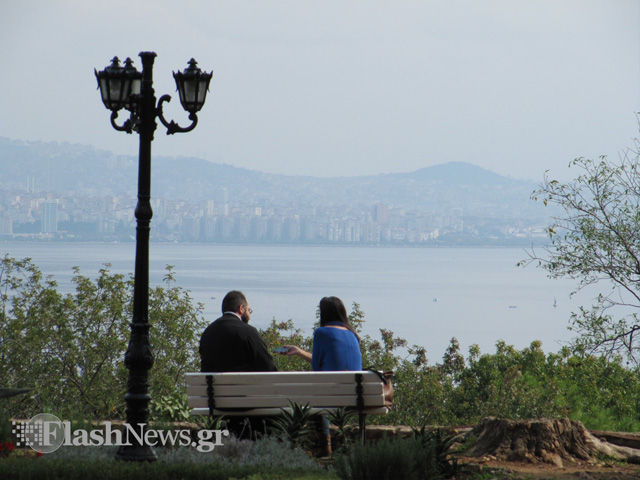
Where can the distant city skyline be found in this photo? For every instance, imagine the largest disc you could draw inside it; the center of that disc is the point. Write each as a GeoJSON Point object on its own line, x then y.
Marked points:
{"type": "Point", "coordinates": [340, 88]}
{"type": "Point", "coordinates": [72, 217]}
{"type": "Point", "coordinates": [196, 201]}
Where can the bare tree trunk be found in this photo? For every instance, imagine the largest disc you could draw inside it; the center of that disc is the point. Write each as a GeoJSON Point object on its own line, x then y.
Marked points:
{"type": "Point", "coordinates": [545, 440]}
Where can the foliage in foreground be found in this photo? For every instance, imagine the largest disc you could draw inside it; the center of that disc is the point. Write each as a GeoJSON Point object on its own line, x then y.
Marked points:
{"type": "Point", "coordinates": [20, 469]}
{"type": "Point", "coordinates": [595, 241]}
{"type": "Point", "coordinates": [75, 344]}
{"type": "Point", "coordinates": [295, 427]}
{"type": "Point", "coordinates": [510, 383]}
{"type": "Point", "coordinates": [266, 458]}
{"type": "Point", "coordinates": [408, 459]}
{"type": "Point", "coordinates": [69, 349]}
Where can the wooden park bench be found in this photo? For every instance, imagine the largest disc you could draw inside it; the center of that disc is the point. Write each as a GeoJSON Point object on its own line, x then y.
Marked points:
{"type": "Point", "coordinates": [271, 393]}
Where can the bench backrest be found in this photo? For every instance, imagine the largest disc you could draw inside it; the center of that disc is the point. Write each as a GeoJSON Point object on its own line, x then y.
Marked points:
{"type": "Point", "coordinates": [268, 393]}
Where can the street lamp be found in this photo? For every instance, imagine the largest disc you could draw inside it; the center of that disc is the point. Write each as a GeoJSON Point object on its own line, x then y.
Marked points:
{"type": "Point", "coordinates": [125, 87]}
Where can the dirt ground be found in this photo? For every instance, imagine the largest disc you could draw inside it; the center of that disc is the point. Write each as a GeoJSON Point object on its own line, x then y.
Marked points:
{"type": "Point", "coordinates": [490, 468]}
{"type": "Point", "coordinates": [503, 470]}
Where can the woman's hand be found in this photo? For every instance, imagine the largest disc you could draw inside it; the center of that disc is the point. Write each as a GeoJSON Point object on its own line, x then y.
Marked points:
{"type": "Point", "coordinates": [293, 350]}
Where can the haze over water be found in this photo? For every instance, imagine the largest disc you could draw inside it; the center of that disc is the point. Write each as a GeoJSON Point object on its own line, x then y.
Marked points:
{"type": "Point", "coordinates": [425, 295]}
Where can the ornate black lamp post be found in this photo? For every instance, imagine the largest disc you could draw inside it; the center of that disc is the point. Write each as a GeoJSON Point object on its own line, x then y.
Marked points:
{"type": "Point", "coordinates": [126, 87]}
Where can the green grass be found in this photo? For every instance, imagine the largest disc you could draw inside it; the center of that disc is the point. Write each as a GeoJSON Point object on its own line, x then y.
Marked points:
{"type": "Point", "coordinates": [266, 459]}
{"type": "Point", "coordinates": [81, 469]}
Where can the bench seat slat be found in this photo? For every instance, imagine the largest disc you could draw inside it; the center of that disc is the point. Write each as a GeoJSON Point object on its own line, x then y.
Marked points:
{"type": "Point", "coordinates": [265, 378]}
{"type": "Point", "coordinates": [271, 393]}
{"type": "Point", "coordinates": [295, 389]}
{"type": "Point", "coordinates": [278, 411]}
{"type": "Point", "coordinates": [279, 401]}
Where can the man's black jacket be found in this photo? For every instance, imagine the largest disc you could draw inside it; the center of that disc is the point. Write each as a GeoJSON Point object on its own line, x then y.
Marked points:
{"type": "Point", "coordinates": [231, 345]}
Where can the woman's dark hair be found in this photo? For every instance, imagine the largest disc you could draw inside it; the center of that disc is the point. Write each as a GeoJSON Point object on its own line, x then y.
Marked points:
{"type": "Point", "coordinates": [333, 310]}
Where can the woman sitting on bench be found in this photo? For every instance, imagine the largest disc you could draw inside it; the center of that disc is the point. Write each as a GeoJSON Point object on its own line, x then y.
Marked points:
{"type": "Point", "coordinates": [336, 347]}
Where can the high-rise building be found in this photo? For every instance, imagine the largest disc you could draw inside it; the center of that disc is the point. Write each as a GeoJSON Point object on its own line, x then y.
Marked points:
{"type": "Point", "coordinates": [49, 217]}
{"type": "Point", "coordinates": [380, 214]}
{"type": "Point", "coordinates": [6, 224]}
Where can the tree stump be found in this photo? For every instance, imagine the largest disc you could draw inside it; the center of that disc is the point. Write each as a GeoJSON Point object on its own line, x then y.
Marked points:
{"type": "Point", "coordinates": [551, 441]}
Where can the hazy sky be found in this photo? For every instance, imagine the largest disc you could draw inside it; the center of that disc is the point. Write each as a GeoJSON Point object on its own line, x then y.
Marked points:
{"type": "Point", "coordinates": [340, 87]}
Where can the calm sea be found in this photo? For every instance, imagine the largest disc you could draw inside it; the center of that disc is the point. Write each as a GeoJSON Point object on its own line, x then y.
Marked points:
{"type": "Point", "coordinates": [425, 295]}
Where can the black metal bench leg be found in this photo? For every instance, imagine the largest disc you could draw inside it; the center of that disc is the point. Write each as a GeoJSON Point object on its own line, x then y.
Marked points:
{"type": "Point", "coordinates": [362, 422]}
{"type": "Point", "coordinates": [360, 405]}
{"type": "Point", "coordinates": [211, 400]}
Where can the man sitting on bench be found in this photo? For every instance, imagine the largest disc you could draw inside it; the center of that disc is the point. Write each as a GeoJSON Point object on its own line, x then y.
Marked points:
{"type": "Point", "coordinates": [230, 344]}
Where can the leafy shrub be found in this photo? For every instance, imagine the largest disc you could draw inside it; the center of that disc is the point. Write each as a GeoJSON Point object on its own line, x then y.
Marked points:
{"type": "Point", "coordinates": [400, 458]}
{"type": "Point", "coordinates": [263, 458]}
{"type": "Point", "coordinates": [295, 426]}
{"type": "Point", "coordinates": [341, 418]}
{"type": "Point", "coordinates": [76, 342]}
{"type": "Point", "coordinates": [441, 444]}
{"type": "Point", "coordinates": [173, 408]}
{"type": "Point", "coordinates": [510, 383]}
{"type": "Point", "coordinates": [5, 425]}
{"type": "Point", "coordinates": [75, 469]}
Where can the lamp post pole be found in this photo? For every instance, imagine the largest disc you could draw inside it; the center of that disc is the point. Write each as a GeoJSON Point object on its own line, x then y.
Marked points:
{"type": "Point", "coordinates": [126, 87]}
{"type": "Point", "coordinates": [139, 357]}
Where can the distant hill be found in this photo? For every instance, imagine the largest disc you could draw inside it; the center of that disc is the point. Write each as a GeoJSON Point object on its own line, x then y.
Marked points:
{"type": "Point", "coordinates": [81, 169]}
{"type": "Point", "coordinates": [458, 173]}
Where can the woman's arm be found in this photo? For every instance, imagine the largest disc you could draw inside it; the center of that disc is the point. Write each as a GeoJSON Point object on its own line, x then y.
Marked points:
{"type": "Point", "coordinates": [293, 350]}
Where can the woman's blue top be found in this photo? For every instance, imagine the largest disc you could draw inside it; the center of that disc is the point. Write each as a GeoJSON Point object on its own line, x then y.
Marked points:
{"type": "Point", "coordinates": [335, 349]}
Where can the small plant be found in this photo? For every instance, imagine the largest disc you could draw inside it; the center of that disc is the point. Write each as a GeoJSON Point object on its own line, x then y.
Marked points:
{"type": "Point", "coordinates": [295, 426]}
{"type": "Point", "coordinates": [341, 418]}
{"type": "Point", "coordinates": [469, 440]}
{"type": "Point", "coordinates": [399, 458]}
{"type": "Point", "coordinates": [214, 422]}
{"type": "Point", "coordinates": [499, 474]}
{"type": "Point", "coordinates": [435, 439]}
{"type": "Point", "coordinates": [170, 409]}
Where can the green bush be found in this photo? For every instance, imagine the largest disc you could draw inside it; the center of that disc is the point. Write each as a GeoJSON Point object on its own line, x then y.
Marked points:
{"type": "Point", "coordinates": [75, 345]}
{"type": "Point", "coordinates": [262, 459]}
{"type": "Point", "coordinates": [518, 384]}
{"type": "Point", "coordinates": [267, 452]}
{"type": "Point", "coordinates": [72, 469]}
{"type": "Point", "coordinates": [441, 443]}
{"type": "Point", "coordinates": [400, 458]}
{"type": "Point", "coordinates": [173, 408]}
{"type": "Point", "coordinates": [295, 426]}
{"type": "Point", "coordinates": [5, 425]}
{"type": "Point", "coordinates": [69, 349]}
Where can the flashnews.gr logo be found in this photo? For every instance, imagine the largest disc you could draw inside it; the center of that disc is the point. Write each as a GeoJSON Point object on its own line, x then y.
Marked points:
{"type": "Point", "coordinates": [45, 433]}
{"type": "Point", "coordinates": [42, 433]}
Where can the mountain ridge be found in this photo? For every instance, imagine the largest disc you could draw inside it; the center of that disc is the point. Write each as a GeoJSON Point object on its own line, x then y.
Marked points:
{"type": "Point", "coordinates": [83, 169]}
{"type": "Point", "coordinates": [441, 171]}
